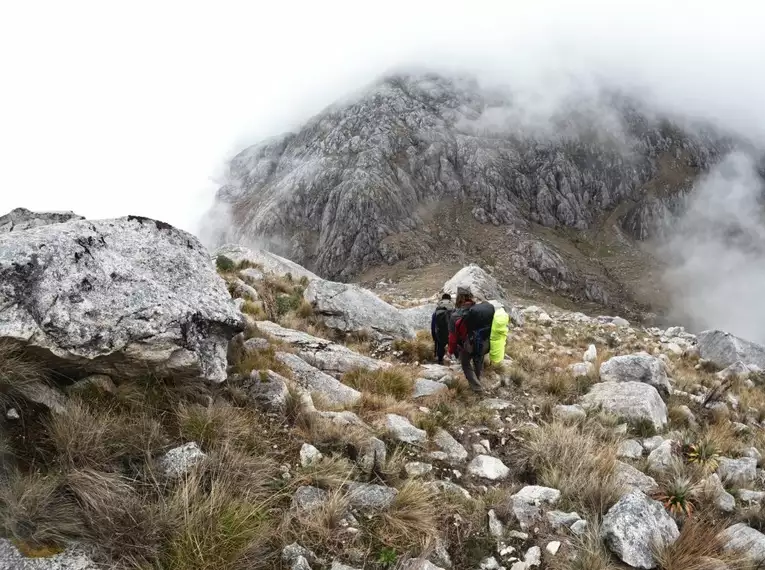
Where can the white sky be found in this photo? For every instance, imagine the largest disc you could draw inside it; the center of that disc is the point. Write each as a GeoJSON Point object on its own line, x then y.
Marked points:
{"type": "Point", "coordinates": [111, 108]}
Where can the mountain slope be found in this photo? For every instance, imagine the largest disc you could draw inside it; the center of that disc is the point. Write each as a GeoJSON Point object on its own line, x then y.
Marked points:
{"type": "Point", "coordinates": [423, 168]}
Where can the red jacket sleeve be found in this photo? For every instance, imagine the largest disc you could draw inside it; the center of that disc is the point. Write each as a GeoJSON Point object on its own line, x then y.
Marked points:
{"type": "Point", "coordinates": [459, 334]}
{"type": "Point", "coordinates": [452, 343]}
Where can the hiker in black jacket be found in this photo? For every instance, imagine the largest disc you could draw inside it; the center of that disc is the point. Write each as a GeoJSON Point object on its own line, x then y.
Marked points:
{"type": "Point", "coordinates": [469, 336]}
{"type": "Point", "coordinates": [439, 326]}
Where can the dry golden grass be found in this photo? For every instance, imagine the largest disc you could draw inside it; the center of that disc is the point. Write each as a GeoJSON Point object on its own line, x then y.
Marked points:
{"type": "Point", "coordinates": [35, 512]}
{"type": "Point", "coordinates": [699, 547]}
{"type": "Point", "coordinates": [396, 381]}
{"type": "Point", "coordinates": [371, 407]}
{"type": "Point", "coordinates": [264, 359]}
{"type": "Point", "coordinates": [329, 472]}
{"type": "Point", "coordinates": [590, 554]}
{"type": "Point", "coordinates": [18, 371]}
{"type": "Point", "coordinates": [217, 424]}
{"type": "Point", "coordinates": [83, 436]}
{"type": "Point", "coordinates": [319, 529]}
{"type": "Point", "coordinates": [418, 349]}
{"type": "Point", "coordinates": [411, 523]}
{"type": "Point", "coordinates": [724, 438]}
{"type": "Point", "coordinates": [575, 460]}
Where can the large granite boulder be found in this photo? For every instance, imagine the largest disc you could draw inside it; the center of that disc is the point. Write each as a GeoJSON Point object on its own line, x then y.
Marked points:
{"type": "Point", "coordinates": [482, 285]}
{"type": "Point", "coordinates": [349, 308]}
{"type": "Point", "coordinates": [745, 540]}
{"type": "Point", "coordinates": [633, 401]}
{"type": "Point", "coordinates": [22, 219]}
{"type": "Point", "coordinates": [125, 297]}
{"type": "Point", "coordinates": [267, 261]}
{"type": "Point", "coordinates": [315, 381]}
{"type": "Point", "coordinates": [634, 526]}
{"type": "Point", "coordinates": [636, 368]}
{"type": "Point", "coordinates": [723, 349]}
{"type": "Point", "coordinates": [327, 356]}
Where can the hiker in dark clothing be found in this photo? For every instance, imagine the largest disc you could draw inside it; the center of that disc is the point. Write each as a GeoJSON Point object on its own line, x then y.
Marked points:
{"type": "Point", "coordinates": [439, 326]}
{"type": "Point", "coordinates": [469, 336]}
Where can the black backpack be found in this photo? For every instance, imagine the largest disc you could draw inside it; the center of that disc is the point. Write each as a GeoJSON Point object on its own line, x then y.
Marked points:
{"type": "Point", "coordinates": [479, 316]}
{"type": "Point", "coordinates": [443, 315]}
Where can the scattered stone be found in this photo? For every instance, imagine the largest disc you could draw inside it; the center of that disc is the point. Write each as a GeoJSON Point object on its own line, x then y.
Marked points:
{"type": "Point", "coordinates": [553, 547]}
{"type": "Point", "coordinates": [634, 526]}
{"type": "Point", "coordinates": [403, 430]}
{"type": "Point", "coordinates": [314, 380]}
{"type": "Point", "coordinates": [661, 458]}
{"type": "Point", "coordinates": [685, 413]}
{"type": "Point", "coordinates": [582, 369]}
{"type": "Point", "coordinates": [591, 354]}
{"type": "Point", "coordinates": [559, 519]}
{"type": "Point", "coordinates": [268, 390]}
{"type": "Point", "coordinates": [713, 487]}
{"type": "Point", "coordinates": [181, 460]}
{"type": "Point", "coordinates": [651, 443]}
{"type": "Point", "coordinates": [454, 450]}
{"type": "Point", "coordinates": [579, 528]}
{"type": "Point", "coordinates": [300, 563]}
{"type": "Point", "coordinates": [488, 467]}
{"type": "Point", "coordinates": [309, 454]}
{"type": "Point", "coordinates": [424, 388]}
{"type": "Point", "coordinates": [448, 488]}
{"type": "Point", "coordinates": [745, 540]}
{"type": "Point", "coordinates": [533, 556]}
{"type": "Point", "coordinates": [12, 414]}
{"type": "Point", "coordinates": [751, 497]}
{"type": "Point", "coordinates": [369, 496]}
{"type": "Point", "coordinates": [415, 469]}
{"type": "Point", "coordinates": [371, 455]}
{"type": "Point", "coordinates": [496, 528]}
{"type": "Point", "coordinates": [636, 368]}
{"type": "Point", "coordinates": [527, 502]}
{"type": "Point", "coordinates": [630, 449]}
{"type": "Point", "coordinates": [496, 404]}
{"type": "Point", "coordinates": [739, 472]}
{"type": "Point", "coordinates": [736, 370]}
{"type": "Point", "coordinates": [308, 499]}
{"type": "Point", "coordinates": [752, 452]}
{"type": "Point", "coordinates": [292, 552]}
{"type": "Point", "coordinates": [573, 413]}
{"type": "Point", "coordinates": [100, 383]}
{"type": "Point", "coordinates": [490, 563]}
{"type": "Point", "coordinates": [632, 478]}
{"type": "Point", "coordinates": [634, 401]}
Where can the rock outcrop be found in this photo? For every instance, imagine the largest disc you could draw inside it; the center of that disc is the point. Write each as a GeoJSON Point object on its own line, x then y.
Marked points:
{"type": "Point", "coordinates": [267, 261]}
{"type": "Point", "coordinates": [634, 526]}
{"type": "Point", "coordinates": [122, 297]}
{"type": "Point", "coordinates": [632, 401]}
{"type": "Point", "coordinates": [350, 308]}
{"type": "Point", "coordinates": [636, 368]}
{"type": "Point", "coordinates": [22, 219]}
{"type": "Point", "coordinates": [723, 349]}
{"type": "Point", "coordinates": [483, 286]}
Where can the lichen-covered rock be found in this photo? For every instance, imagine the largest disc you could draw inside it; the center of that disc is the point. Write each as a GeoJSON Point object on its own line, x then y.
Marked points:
{"type": "Point", "coordinates": [267, 261]}
{"type": "Point", "coordinates": [403, 430]}
{"type": "Point", "coordinates": [636, 368]}
{"type": "Point", "coordinates": [125, 297]}
{"type": "Point", "coordinates": [631, 478]}
{"type": "Point", "coordinates": [71, 559]}
{"type": "Point", "coordinates": [569, 413]}
{"type": "Point", "coordinates": [745, 540]}
{"type": "Point", "coordinates": [738, 472]}
{"type": "Point", "coordinates": [21, 219]}
{"type": "Point", "coordinates": [370, 497]}
{"type": "Point", "coordinates": [630, 449]}
{"type": "Point", "coordinates": [314, 380]}
{"type": "Point", "coordinates": [661, 458]}
{"type": "Point", "coordinates": [454, 450]}
{"type": "Point", "coordinates": [527, 504]}
{"type": "Point", "coordinates": [488, 467]}
{"type": "Point", "coordinates": [424, 388]}
{"type": "Point", "coordinates": [349, 308]}
{"type": "Point", "coordinates": [308, 499]}
{"type": "Point", "coordinates": [633, 401]}
{"type": "Point", "coordinates": [634, 526]}
{"type": "Point", "coordinates": [332, 358]}
{"type": "Point", "coordinates": [723, 349]}
{"type": "Point", "coordinates": [180, 460]}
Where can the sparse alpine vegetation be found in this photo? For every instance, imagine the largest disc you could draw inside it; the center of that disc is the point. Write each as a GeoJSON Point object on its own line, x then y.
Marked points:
{"type": "Point", "coordinates": [595, 445]}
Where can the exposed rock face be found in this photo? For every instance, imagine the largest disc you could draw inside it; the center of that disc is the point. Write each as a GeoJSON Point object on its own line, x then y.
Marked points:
{"type": "Point", "coordinates": [744, 539]}
{"type": "Point", "coordinates": [71, 559]}
{"type": "Point", "coordinates": [632, 478]}
{"type": "Point", "coordinates": [122, 297]}
{"type": "Point", "coordinates": [482, 285]}
{"type": "Point", "coordinates": [22, 219]}
{"type": "Point", "coordinates": [356, 176]}
{"type": "Point", "coordinates": [332, 358]}
{"type": "Point", "coordinates": [488, 467]}
{"type": "Point", "coordinates": [315, 381]}
{"type": "Point", "coordinates": [349, 308]}
{"type": "Point", "coordinates": [636, 368]}
{"type": "Point", "coordinates": [723, 349]}
{"type": "Point", "coordinates": [738, 472]}
{"type": "Point", "coordinates": [629, 400]}
{"type": "Point", "coordinates": [542, 265]}
{"type": "Point", "coordinates": [634, 526]}
{"type": "Point", "coordinates": [269, 262]}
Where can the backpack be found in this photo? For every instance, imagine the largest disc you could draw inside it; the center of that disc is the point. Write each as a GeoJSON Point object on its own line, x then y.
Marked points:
{"type": "Point", "coordinates": [443, 314]}
{"type": "Point", "coordinates": [479, 317]}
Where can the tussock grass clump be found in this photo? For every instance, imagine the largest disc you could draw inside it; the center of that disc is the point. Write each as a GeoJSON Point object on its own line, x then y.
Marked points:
{"type": "Point", "coordinates": [418, 349]}
{"type": "Point", "coordinates": [18, 373]}
{"type": "Point", "coordinates": [699, 547]}
{"type": "Point", "coordinates": [35, 514]}
{"type": "Point", "coordinates": [396, 381]}
{"type": "Point", "coordinates": [411, 523]}
{"type": "Point", "coordinates": [83, 436]}
{"type": "Point", "coordinates": [320, 529]}
{"type": "Point", "coordinates": [575, 460]}
{"type": "Point", "coordinates": [329, 472]}
{"type": "Point", "coordinates": [591, 554]}
{"type": "Point", "coordinates": [216, 425]}
{"type": "Point", "coordinates": [264, 359]}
